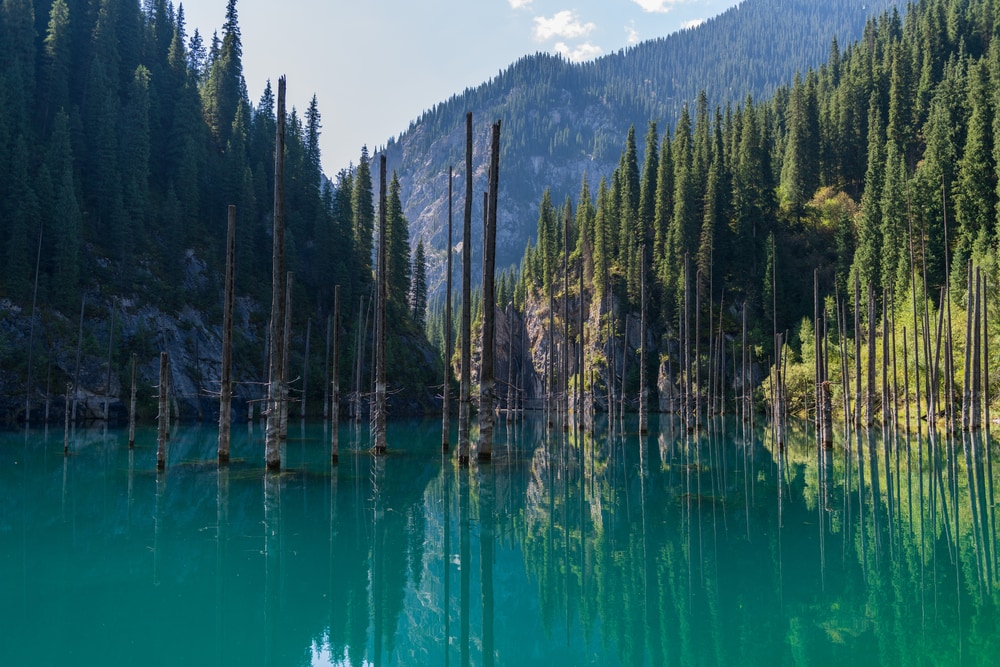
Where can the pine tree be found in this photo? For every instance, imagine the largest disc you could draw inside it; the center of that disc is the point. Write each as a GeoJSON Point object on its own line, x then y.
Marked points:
{"type": "Point", "coordinates": [363, 223]}
{"type": "Point", "coordinates": [867, 259]}
{"type": "Point", "coordinates": [225, 89]}
{"type": "Point", "coordinates": [976, 181]}
{"type": "Point", "coordinates": [799, 171]}
{"type": "Point", "coordinates": [397, 263]}
{"type": "Point", "coordinates": [419, 299]}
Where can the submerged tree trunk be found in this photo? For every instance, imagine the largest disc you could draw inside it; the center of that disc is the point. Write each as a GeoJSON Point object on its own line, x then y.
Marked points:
{"type": "Point", "coordinates": [131, 410]}
{"type": "Point", "coordinates": [162, 415]}
{"type": "Point", "coordinates": [380, 338]}
{"type": "Point", "coordinates": [286, 350]}
{"type": "Point", "coordinates": [272, 443]}
{"type": "Point", "coordinates": [486, 380]}
{"type": "Point", "coordinates": [464, 392]}
{"type": "Point", "coordinates": [335, 380]}
{"type": "Point", "coordinates": [79, 352]}
{"type": "Point", "coordinates": [226, 390]}
{"type": "Point", "coordinates": [446, 389]}
{"type": "Point", "coordinates": [643, 399]}
{"type": "Point", "coordinates": [107, 384]}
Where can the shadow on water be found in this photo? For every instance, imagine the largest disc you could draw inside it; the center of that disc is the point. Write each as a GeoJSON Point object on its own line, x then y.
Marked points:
{"type": "Point", "coordinates": [677, 547]}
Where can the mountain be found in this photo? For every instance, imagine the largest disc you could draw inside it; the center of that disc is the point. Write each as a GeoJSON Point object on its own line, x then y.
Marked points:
{"type": "Point", "coordinates": [561, 120]}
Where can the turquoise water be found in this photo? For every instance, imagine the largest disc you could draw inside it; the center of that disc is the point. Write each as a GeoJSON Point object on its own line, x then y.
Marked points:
{"type": "Point", "coordinates": [672, 549]}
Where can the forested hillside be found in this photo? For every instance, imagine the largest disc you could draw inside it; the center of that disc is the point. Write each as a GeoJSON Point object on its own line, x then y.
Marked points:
{"type": "Point", "coordinates": [124, 139]}
{"type": "Point", "coordinates": [562, 120]}
{"type": "Point", "coordinates": [878, 168]}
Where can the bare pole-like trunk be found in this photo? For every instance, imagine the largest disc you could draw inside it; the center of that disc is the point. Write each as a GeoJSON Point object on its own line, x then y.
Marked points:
{"type": "Point", "coordinates": [286, 348]}
{"type": "Point", "coordinates": [564, 403]}
{"type": "Point", "coordinates": [66, 422]}
{"type": "Point", "coordinates": [464, 392]}
{"type": "Point", "coordinates": [79, 351]}
{"type": "Point", "coordinates": [31, 337]}
{"type": "Point", "coordinates": [549, 371]}
{"type": "Point", "coordinates": [380, 445]}
{"type": "Point", "coordinates": [870, 388]}
{"type": "Point", "coordinates": [581, 351]}
{"type": "Point", "coordinates": [226, 391]}
{"type": "Point", "coordinates": [335, 380]}
{"type": "Point", "coordinates": [107, 384]}
{"type": "Point", "coordinates": [643, 381]}
{"type": "Point", "coordinates": [131, 409]}
{"type": "Point", "coordinates": [305, 371]}
{"type": "Point", "coordinates": [163, 415]}
{"type": "Point", "coordinates": [272, 446]}
{"type": "Point", "coordinates": [446, 390]}
{"type": "Point", "coordinates": [487, 388]}
{"type": "Point", "coordinates": [326, 363]}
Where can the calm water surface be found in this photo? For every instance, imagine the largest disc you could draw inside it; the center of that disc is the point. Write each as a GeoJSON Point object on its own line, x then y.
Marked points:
{"type": "Point", "coordinates": [672, 549]}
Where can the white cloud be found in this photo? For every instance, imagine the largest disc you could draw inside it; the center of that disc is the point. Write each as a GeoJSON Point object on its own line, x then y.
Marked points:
{"type": "Point", "coordinates": [564, 24]}
{"type": "Point", "coordinates": [519, 4]}
{"type": "Point", "coordinates": [631, 34]}
{"type": "Point", "coordinates": [694, 23]}
{"type": "Point", "coordinates": [580, 53]}
{"type": "Point", "coordinates": [656, 6]}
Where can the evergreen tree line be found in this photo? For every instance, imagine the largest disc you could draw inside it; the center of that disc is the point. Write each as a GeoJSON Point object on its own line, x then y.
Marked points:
{"type": "Point", "coordinates": [880, 165]}
{"type": "Point", "coordinates": [125, 139]}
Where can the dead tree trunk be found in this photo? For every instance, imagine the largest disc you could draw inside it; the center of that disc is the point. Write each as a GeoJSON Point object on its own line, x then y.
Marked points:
{"type": "Point", "coordinates": [380, 444]}
{"type": "Point", "coordinates": [131, 409]}
{"type": "Point", "coordinates": [31, 337]}
{"type": "Point", "coordinates": [272, 443]}
{"type": "Point", "coordinates": [335, 381]}
{"type": "Point", "coordinates": [643, 399]}
{"type": "Point", "coordinates": [305, 371]}
{"type": "Point", "coordinates": [163, 415]}
{"type": "Point", "coordinates": [107, 384]}
{"type": "Point", "coordinates": [564, 402]}
{"type": "Point", "coordinates": [446, 389]}
{"type": "Point", "coordinates": [226, 390]}
{"type": "Point", "coordinates": [286, 349]}
{"type": "Point", "coordinates": [486, 381]}
{"type": "Point", "coordinates": [464, 392]}
{"type": "Point", "coordinates": [79, 351]}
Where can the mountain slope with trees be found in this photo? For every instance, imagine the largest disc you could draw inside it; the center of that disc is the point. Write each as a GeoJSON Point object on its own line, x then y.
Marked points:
{"type": "Point", "coordinates": [562, 120]}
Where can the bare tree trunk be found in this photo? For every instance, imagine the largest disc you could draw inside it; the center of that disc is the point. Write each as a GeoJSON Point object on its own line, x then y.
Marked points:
{"type": "Point", "coordinates": [31, 337]}
{"type": "Point", "coordinates": [643, 381]}
{"type": "Point", "coordinates": [464, 397]}
{"type": "Point", "coordinates": [380, 444]}
{"type": "Point", "coordinates": [487, 388]}
{"type": "Point", "coordinates": [335, 381]}
{"type": "Point", "coordinates": [226, 390]}
{"type": "Point", "coordinates": [163, 415]}
{"type": "Point", "coordinates": [564, 402]}
{"type": "Point", "coordinates": [305, 371]}
{"type": "Point", "coordinates": [446, 391]}
{"type": "Point", "coordinates": [286, 348]}
{"type": "Point", "coordinates": [581, 351]}
{"type": "Point", "coordinates": [272, 446]}
{"type": "Point", "coordinates": [79, 351]}
{"type": "Point", "coordinates": [66, 422]}
{"type": "Point", "coordinates": [326, 362]}
{"type": "Point", "coordinates": [131, 410]}
{"type": "Point", "coordinates": [107, 384]}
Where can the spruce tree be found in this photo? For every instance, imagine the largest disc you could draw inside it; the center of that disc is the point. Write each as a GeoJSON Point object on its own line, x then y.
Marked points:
{"type": "Point", "coordinates": [419, 298]}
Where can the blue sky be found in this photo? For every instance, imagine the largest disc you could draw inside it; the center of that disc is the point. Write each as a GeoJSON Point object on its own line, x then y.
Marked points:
{"type": "Point", "coordinates": [377, 65]}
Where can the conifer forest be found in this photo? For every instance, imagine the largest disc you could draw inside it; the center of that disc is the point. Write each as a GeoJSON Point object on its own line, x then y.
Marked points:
{"type": "Point", "coordinates": [774, 253]}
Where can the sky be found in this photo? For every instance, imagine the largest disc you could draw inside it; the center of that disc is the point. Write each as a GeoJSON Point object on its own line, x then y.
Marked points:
{"type": "Point", "coordinates": [377, 65]}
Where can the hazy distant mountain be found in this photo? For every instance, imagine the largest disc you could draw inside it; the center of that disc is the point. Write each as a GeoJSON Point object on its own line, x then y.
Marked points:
{"type": "Point", "coordinates": [562, 120]}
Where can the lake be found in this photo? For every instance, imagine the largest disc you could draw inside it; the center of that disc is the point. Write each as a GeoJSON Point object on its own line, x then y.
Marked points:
{"type": "Point", "coordinates": [714, 548]}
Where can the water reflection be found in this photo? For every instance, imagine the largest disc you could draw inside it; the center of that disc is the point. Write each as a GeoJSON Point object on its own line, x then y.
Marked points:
{"type": "Point", "coordinates": [707, 547]}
